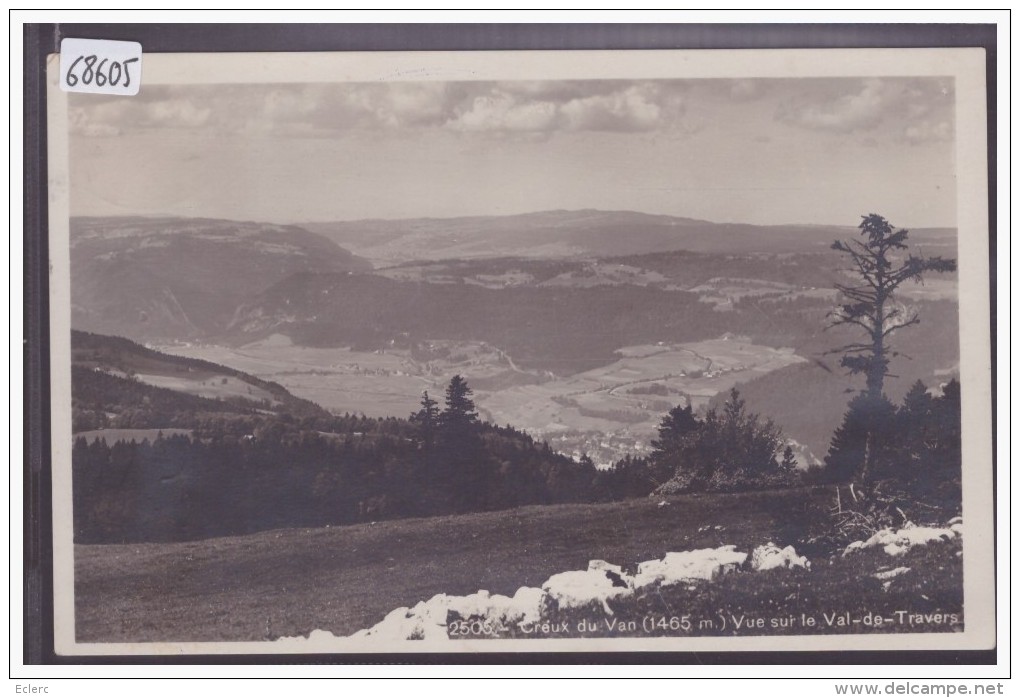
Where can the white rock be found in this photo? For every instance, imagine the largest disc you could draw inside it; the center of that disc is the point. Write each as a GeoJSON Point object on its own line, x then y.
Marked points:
{"type": "Point", "coordinates": [770, 556]}
{"type": "Point", "coordinates": [889, 574]}
{"type": "Point", "coordinates": [856, 545]}
{"type": "Point", "coordinates": [898, 542]}
{"type": "Point", "coordinates": [502, 611]}
{"type": "Point", "coordinates": [599, 583]}
{"type": "Point", "coordinates": [602, 581]}
{"type": "Point", "coordinates": [428, 620]}
{"type": "Point", "coordinates": [603, 566]}
{"type": "Point", "coordinates": [526, 606]}
{"type": "Point", "coordinates": [316, 637]}
{"type": "Point", "coordinates": [674, 568]}
{"type": "Point", "coordinates": [425, 621]}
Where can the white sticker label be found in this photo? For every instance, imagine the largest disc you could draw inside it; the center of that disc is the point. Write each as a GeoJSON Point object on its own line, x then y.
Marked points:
{"type": "Point", "coordinates": [100, 67]}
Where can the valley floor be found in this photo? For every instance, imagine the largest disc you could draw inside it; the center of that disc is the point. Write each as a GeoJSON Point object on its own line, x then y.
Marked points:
{"type": "Point", "coordinates": [607, 413]}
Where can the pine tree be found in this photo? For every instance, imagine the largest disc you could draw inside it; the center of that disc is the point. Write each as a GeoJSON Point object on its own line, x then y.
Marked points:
{"type": "Point", "coordinates": [946, 417]}
{"type": "Point", "coordinates": [748, 442]}
{"type": "Point", "coordinates": [427, 419]}
{"type": "Point", "coordinates": [468, 471]}
{"type": "Point", "coordinates": [731, 450]}
{"type": "Point", "coordinates": [869, 423]}
{"type": "Point", "coordinates": [460, 415]}
{"type": "Point", "coordinates": [870, 305]}
{"type": "Point", "coordinates": [677, 432]}
{"type": "Point", "coordinates": [944, 468]}
{"type": "Point", "coordinates": [733, 409]}
{"type": "Point", "coordinates": [789, 462]}
{"type": "Point", "coordinates": [916, 429]}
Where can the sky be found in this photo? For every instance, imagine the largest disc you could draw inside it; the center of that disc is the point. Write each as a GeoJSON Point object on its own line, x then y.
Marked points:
{"type": "Point", "coordinates": [765, 151]}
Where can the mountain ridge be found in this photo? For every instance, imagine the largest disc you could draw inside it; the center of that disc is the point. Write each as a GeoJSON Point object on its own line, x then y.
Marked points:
{"type": "Point", "coordinates": [184, 277]}
{"type": "Point", "coordinates": [562, 233]}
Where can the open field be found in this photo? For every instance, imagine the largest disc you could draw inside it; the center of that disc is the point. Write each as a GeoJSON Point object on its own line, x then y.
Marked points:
{"type": "Point", "coordinates": [345, 578]}
{"type": "Point", "coordinates": [111, 436]}
{"type": "Point", "coordinates": [289, 582]}
{"type": "Point", "coordinates": [375, 383]}
{"type": "Point", "coordinates": [213, 387]}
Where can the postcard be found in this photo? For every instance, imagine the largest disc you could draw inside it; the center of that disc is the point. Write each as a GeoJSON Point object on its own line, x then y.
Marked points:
{"type": "Point", "coordinates": [522, 351]}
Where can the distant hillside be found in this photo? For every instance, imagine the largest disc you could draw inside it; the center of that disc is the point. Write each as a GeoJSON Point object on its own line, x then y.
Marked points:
{"type": "Point", "coordinates": [586, 233]}
{"type": "Point", "coordinates": [676, 270]}
{"type": "Point", "coordinates": [152, 278]}
{"type": "Point", "coordinates": [117, 383]}
{"type": "Point", "coordinates": [561, 329]}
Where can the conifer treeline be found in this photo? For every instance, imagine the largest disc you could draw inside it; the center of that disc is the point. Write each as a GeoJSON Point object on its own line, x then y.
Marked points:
{"type": "Point", "coordinates": [241, 474]}
{"type": "Point", "coordinates": [916, 448]}
{"type": "Point", "coordinates": [285, 473]}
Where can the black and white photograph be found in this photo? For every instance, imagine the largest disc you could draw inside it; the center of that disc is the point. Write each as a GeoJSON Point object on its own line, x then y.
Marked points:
{"type": "Point", "coordinates": [523, 352]}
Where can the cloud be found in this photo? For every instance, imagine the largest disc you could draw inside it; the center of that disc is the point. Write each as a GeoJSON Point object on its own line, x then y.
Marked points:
{"type": "Point", "coordinates": [572, 106]}
{"type": "Point", "coordinates": [81, 122]}
{"type": "Point", "coordinates": [633, 109]}
{"type": "Point", "coordinates": [929, 131]}
{"type": "Point", "coordinates": [909, 111]}
{"type": "Point", "coordinates": [534, 107]}
{"type": "Point", "coordinates": [179, 113]}
{"type": "Point", "coordinates": [503, 112]}
{"type": "Point", "coordinates": [912, 110]}
{"type": "Point", "coordinates": [112, 117]}
{"type": "Point", "coordinates": [847, 112]}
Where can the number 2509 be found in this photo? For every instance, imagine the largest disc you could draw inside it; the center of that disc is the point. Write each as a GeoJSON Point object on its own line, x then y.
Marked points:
{"type": "Point", "coordinates": [94, 74]}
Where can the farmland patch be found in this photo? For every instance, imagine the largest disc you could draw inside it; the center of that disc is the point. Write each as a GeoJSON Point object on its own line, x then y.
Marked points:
{"type": "Point", "coordinates": [211, 386]}
{"type": "Point", "coordinates": [111, 436]}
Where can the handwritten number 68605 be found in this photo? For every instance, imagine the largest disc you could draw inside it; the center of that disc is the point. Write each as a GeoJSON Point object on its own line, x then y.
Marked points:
{"type": "Point", "coordinates": [93, 73]}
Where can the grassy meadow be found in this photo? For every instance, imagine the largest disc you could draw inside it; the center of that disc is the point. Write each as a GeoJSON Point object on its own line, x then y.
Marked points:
{"type": "Point", "coordinates": [342, 579]}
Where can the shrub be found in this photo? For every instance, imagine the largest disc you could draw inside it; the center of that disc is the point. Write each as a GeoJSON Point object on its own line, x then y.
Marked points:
{"type": "Point", "coordinates": [726, 452]}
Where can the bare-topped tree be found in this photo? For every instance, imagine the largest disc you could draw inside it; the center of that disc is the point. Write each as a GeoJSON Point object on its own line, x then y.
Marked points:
{"type": "Point", "coordinates": [878, 270]}
{"type": "Point", "coordinates": [879, 265]}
